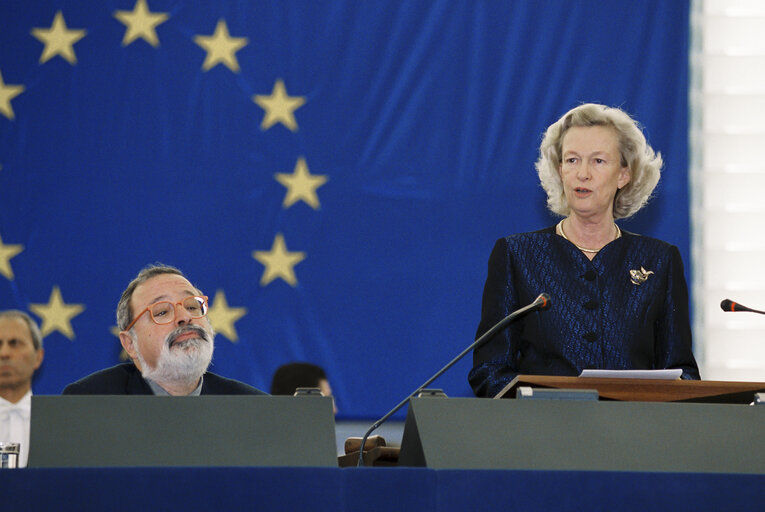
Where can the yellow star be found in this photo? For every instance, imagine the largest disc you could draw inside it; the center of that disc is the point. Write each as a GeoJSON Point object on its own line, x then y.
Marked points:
{"type": "Point", "coordinates": [6, 253]}
{"type": "Point", "coordinates": [56, 315]}
{"type": "Point", "coordinates": [279, 107]}
{"type": "Point", "coordinates": [222, 317]}
{"type": "Point", "coordinates": [278, 262]}
{"type": "Point", "coordinates": [7, 93]}
{"type": "Point", "coordinates": [141, 22]}
{"type": "Point", "coordinates": [301, 185]}
{"type": "Point", "coordinates": [58, 40]}
{"type": "Point", "coordinates": [221, 47]}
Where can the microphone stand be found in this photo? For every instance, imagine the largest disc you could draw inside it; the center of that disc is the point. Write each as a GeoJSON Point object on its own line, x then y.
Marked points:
{"type": "Point", "coordinates": [540, 302]}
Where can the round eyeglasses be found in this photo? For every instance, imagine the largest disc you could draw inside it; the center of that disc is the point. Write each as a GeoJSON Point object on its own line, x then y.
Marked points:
{"type": "Point", "coordinates": [163, 312]}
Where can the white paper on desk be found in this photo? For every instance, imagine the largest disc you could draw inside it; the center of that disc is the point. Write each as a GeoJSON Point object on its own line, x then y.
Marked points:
{"type": "Point", "coordinates": [671, 374]}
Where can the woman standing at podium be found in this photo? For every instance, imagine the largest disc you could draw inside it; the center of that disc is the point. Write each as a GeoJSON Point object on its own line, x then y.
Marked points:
{"type": "Point", "coordinates": [618, 300]}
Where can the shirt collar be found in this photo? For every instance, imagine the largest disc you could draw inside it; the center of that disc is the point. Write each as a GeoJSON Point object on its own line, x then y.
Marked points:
{"type": "Point", "coordinates": [23, 406]}
{"type": "Point", "coordinates": [160, 391]}
{"type": "Point", "coordinates": [25, 401]}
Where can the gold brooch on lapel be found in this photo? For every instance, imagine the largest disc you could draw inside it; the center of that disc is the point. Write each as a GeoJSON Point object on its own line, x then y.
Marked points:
{"type": "Point", "coordinates": [639, 277]}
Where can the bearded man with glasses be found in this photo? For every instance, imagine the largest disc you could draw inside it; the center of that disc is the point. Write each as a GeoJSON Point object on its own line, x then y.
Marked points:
{"type": "Point", "coordinates": [165, 331]}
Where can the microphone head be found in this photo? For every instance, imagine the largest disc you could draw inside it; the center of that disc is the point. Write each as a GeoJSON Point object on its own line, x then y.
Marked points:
{"type": "Point", "coordinates": [545, 300]}
{"type": "Point", "coordinates": [728, 305]}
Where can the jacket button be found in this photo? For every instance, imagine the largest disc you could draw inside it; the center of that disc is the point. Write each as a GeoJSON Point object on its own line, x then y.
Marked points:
{"type": "Point", "coordinates": [590, 275]}
{"type": "Point", "coordinates": [590, 336]}
{"type": "Point", "coordinates": [591, 304]}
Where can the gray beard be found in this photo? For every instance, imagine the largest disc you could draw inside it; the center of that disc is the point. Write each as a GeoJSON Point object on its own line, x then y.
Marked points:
{"type": "Point", "coordinates": [184, 363]}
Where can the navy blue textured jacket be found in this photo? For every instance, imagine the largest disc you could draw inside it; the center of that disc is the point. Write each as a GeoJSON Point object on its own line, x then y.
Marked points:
{"type": "Point", "coordinates": [625, 309]}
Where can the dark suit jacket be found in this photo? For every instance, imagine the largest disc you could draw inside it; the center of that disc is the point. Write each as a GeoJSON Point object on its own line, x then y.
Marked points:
{"type": "Point", "coordinates": [598, 317]}
{"type": "Point", "coordinates": [126, 379]}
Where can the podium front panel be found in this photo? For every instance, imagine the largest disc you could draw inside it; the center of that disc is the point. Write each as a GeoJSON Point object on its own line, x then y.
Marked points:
{"type": "Point", "coordinates": [475, 433]}
{"type": "Point", "coordinates": [98, 430]}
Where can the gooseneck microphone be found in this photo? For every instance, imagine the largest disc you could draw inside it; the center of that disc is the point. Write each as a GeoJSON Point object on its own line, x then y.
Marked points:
{"type": "Point", "coordinates": [729, 305]}
{"type": "Point", "coordinates": [541, 302]}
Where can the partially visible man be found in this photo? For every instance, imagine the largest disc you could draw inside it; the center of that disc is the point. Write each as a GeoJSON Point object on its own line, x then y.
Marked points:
{"type": "Point", "coordinates": [166, 333]}
{"type": "Point", "coordinates": [288, 377]}
{"type": "Point", "coordinates": [21, 353]}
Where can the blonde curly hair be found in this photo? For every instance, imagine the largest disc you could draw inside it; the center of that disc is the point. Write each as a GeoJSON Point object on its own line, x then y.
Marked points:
{"type": "Point", "coordinates": [643, 163]}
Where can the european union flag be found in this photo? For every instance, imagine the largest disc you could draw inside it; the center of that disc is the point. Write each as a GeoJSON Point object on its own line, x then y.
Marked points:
{"type": "Point", "coordinates": [332, 174]}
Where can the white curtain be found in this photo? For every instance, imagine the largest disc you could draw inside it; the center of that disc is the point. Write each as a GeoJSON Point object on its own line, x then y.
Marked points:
{"type": "Point", "coordinates": [728, 185]}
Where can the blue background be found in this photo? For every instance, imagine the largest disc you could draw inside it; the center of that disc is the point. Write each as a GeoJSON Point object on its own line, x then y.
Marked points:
{"type": "Point", "coordinates": [425, 117]}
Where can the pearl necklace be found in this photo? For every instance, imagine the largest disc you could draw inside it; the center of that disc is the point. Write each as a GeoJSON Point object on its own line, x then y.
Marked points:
{"type": "Point", "coordinates": [559, 230]}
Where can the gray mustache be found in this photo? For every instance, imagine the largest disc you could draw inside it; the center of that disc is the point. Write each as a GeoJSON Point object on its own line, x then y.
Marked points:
{"type": "Point", "coordinates": [200, 332]}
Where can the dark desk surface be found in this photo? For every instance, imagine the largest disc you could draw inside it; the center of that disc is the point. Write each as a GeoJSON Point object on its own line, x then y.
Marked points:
{"type": "Point", "coordinates": [372, 489]}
